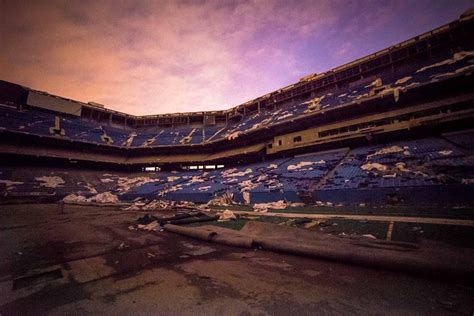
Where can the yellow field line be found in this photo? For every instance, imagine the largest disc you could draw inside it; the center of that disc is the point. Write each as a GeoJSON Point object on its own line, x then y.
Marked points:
{"type": "Point", "coordinates": [398, 219]}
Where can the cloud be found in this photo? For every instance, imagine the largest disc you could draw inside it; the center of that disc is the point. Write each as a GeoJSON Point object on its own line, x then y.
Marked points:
{"type": "Point", "coordinates": [147, 57]}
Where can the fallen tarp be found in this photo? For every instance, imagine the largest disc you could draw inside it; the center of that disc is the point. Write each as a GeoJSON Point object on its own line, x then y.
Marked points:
{"type": "Point", "coordinates": [213, 233]}
{"type": "Point", "coordinates": [178, 219]}
{"type": "Point", "coordinates": [198, 233]}
{"type": "Point", "coordinates": [424, 260]}
{"type": "Point", "coordinates": [194, 219]}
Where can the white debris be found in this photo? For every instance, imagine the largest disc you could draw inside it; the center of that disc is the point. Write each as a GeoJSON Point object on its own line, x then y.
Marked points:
{"type": "Point", "coordinates": [401, 166]}
{"type": "Point", "coordinates": [403, 80]}
{"type": "Point", "coordinates": [132, 207]}
{"type": "Point", "coordinates": [73, 198]}
{"type": "Point", "coordinates": [456, 57]}
{"type": "Point", "coordinates": [376, 83]}
{"type": "Point", "coordinates": [272, 166]}
{"type": "Point", "coordinates": [233, 135]}
{"type": "Point", "coordinates": [369, 236]}
{"type": "Point", "coordinates": [167, 205]}
{"type": "Point", "coordinates": [153, 205]}
{"type": "Point", "coordinates": [452, 73]}
{"type": "Point", "coordinates": [173, 188]}
{"type": "Point", "coordinates": [246, 197]}
{"type": "Point", "coordinates": [296, 204]}
{"type": "Point", "coordinates": [153, 226]}
{"type": "Point", "coordinates": [273, 184]}
{"type": "Point", "coordinates": [393, 175]}
{"type": "Point", "coordinates": [149, 141]}
{"type": "Point", "coordinates": [188, 138]}
{"type": "Point", "coordinates": [284, 116]}
{"type": "Point", "coordinates": [136, 206]}
{"type": "Point", "coordinates": [205, 188]}
{"type": "Point", "coordinates": [247, 185]}
{"type": "Point", "coordinates": [231, 173]}
{"type": "Point", "coordinates": [445, 152]}
{"type": "Point", "coordinates": [420, 173]}
{"type": "Point", "coordinates": [172, 178]}
{"type": "Point", "coordinates": [105, 197]}
{"type": "Point", "coordinates": [226, 215]}
{"type": "Point", "coordinates": [196, 179]}
{"type": "Point", "coordinates": [91, 189]}
{"type": "Point", "coordinates": [130, 138]}
{"type": "Point", "coordinates": [304, 164]}
{"type": "Point", "coordinates": [387, 150]}
{"type": "Point", "coordinates": [230, 181]}
{"type": "Point", "coordinates": [10, 184]}
{"type": "Point", "coordinates": [50, 182]}
{"type": "Point", "coordinates": [225, 199]}
{"type": "Point", "coordinates": [125, 184]}
{"type": "Point", "coordinates": [260, 124]}
{"type": "Point", "coordinates": [314, 104]}
{"type": "Point", "coordinates": [370, 166]}
{"type": "Point", "coordinates": [106, 180]}
{"type": "Point", "coordinates": [411, 85]}
{"type": "Point", "coordinates": [263, 207]}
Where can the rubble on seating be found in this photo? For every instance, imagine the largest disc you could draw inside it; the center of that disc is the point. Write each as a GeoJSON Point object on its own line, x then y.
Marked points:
{"type": "Point", "coordinates": [50, 182]}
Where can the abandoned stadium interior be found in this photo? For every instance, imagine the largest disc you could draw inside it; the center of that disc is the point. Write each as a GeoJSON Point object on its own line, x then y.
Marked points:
{"type": "Point", "coordinates": [348, 192]}
{"type": "Point", "coordinates": [373, 131]}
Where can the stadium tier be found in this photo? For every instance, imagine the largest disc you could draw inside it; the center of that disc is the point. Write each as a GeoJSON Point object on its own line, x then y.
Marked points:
{"type": "Point", "coordinates": [403, 172]}
{"type": "Point", "coordinates": [392, 127]}
{"type": "Point", "coordinates": [39, 122]}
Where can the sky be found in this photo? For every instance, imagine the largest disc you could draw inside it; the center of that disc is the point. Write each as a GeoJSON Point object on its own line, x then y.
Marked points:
{"type": "Point", "coordinates": [150, 57]}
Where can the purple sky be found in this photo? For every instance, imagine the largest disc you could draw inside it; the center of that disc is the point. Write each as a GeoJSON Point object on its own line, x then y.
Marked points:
{"type": "Point", "coordinates": [149, 57]}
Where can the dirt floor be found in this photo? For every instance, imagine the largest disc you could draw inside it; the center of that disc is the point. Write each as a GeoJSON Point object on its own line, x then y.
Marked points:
{"type": "Point", "coordinates": [87, 260]}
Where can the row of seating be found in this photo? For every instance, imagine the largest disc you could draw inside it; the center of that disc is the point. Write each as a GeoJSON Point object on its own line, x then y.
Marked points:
{"type": "Point", "coordinates": [396, 166]}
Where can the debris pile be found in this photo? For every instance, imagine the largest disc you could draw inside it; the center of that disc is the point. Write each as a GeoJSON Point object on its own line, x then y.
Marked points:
{"type": "Point", "coordinates": [126, 184]}
{"type": "Point", "coordinates": [233, 135]}
{"type": "Point", "coordinates": [263, 207]}
{"type": "Point", "coordinates": [231, 173]}
{"type": "Point", "coordinates": [225, 199]}
{"type": "Point", "coordinates": [105, 197]}
{"type": "Point", "coordinates": [50, 182]}
{"type": "Point", "coordinates": [387, 150]}
{"type": "Point", "coordinates": [373, 165]}
{"type": "Point", "coordinates": [304, 164]}
{"type": "Point", "coordinates": [226, 215]}
{"type": "Point", "coordinates": [155, 205]}
{"type": "Point", "coordinates": [73, 198]}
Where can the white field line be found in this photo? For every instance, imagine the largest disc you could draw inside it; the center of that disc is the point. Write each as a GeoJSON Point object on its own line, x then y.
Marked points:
{"type": "Point", "coordinates": [397, 219]}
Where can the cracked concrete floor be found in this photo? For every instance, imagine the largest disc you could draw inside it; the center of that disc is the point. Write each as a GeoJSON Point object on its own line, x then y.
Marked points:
{"type": "Point", "coordinates": [88, 261]}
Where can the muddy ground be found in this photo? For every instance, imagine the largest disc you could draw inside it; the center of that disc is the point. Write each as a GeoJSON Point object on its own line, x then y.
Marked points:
{"type": "Point", "coordinates": [87, 260]}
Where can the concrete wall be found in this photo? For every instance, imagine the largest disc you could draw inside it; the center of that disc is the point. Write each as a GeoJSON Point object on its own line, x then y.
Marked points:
{"type": "Point", "coordinates": [53, 103]}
